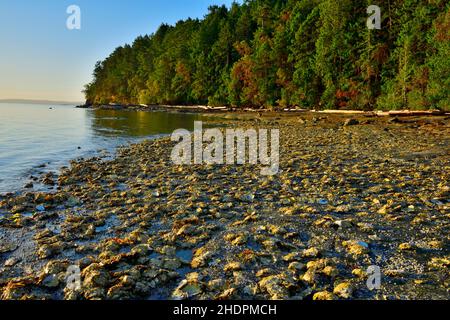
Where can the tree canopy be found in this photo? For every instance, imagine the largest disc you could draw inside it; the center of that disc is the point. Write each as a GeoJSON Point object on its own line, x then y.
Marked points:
{"type": "Point", "coordinates": [288, 53]}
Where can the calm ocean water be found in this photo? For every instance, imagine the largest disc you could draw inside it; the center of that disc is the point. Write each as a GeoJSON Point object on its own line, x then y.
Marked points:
{"type": "Point", "coordinates": [35, 139]}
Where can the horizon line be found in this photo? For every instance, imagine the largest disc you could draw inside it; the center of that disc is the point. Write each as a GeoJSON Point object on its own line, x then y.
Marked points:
{"type": "Point", "coordinates": [40, 101]}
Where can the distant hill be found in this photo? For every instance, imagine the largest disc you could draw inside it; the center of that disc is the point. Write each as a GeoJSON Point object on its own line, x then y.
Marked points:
{"type": "Point", "coordinates": [46, 102]}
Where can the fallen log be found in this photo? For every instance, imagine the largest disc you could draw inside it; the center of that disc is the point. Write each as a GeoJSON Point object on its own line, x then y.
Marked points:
{"type": "Point", "coordinates": [408, 113]}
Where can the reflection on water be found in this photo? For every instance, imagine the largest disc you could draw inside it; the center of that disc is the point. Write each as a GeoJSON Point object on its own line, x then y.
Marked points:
{"type": "Point", "coordinates": [138, 123]}
{"type": "Point", "coordinates": [35, 139]}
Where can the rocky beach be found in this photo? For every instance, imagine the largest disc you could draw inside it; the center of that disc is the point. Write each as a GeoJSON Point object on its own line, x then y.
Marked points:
{"type": "Point", "coordinates": [352, 192]}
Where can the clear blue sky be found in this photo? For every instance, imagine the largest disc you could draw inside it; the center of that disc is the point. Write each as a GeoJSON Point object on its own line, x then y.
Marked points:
{"type": "Point", "coordinates": [41, 59]}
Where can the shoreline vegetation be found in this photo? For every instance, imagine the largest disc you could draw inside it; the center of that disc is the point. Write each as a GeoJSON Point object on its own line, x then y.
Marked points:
{"type": "Point", "coordinates": [287, 54]}
{"type": "Point", "coordinates": [351, 194]}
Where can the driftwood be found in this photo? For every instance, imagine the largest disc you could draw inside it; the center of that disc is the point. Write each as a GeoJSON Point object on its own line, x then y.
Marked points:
{"type": "Point", "coordinates": [193, 107]}
{"type": "Point", "coordinates": [342, 111]}
{"type": "Point", "coordinates": [400, 113]}
{"type": "Point", "coordinates": [407, 113]}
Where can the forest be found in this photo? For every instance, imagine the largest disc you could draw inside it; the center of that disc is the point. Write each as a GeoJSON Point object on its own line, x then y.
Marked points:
{"type": "Point", "coordinates": [276, 54]}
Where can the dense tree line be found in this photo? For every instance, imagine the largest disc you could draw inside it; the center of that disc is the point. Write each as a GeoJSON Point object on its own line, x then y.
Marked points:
{"type": "Point", "coordinates": [288, 53]}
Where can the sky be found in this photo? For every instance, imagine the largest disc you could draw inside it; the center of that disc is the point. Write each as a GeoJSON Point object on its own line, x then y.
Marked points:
{"type": "Point", "coordinates": [40, 58]}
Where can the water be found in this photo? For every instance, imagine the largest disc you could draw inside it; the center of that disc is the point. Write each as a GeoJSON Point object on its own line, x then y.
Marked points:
{"type": "Point", "coordinates": [35, 139]}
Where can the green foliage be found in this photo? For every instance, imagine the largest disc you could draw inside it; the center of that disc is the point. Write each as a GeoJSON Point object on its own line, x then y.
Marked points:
{"type": "Point", "coordinates": [288, 53]}
{"type": "Point", "coordinates": [438, 89]}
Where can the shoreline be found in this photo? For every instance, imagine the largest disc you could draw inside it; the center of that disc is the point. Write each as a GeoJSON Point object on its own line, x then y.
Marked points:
{"type": "Point", "coordinates": [225, 110]}
{"type": "Point", "coordinates": [140, 227]}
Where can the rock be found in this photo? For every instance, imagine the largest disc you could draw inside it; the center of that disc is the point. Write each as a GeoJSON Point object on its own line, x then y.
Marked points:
{"type": "Point", "coordinates": [264, 273]}
{"type": "Point", "coordinates": [96, 293]}
{"type": "Point", "coordinates": [292, 211]}
{"type": "Point", "coordinates": [356, 247]}
{"type": "Point", "coordinates": [233, 266]}
{"type": "Point", "coordinates": [118, 292]}
{"type": "Point", "coordinates": [316, 264]}
{"type": "Point", "coordinates": [201, 257]}
{"type": "Point", "coordinates": [227, 294]}
{"type": "Point", "coordinates": [250, 290]}
{"type": "Point", "coordinates": [395, 273]}
{"type": "Point", "coordinates": [46, 251]}
{"type": "Point", "coordinates": [405, 247]}
{"type": "Point", "coordinates": [359, 273]}
{"type": "Point", "coordinates": [309, 276]}
{"type": "Point", "coordinates": [95, 276]}
{"type": "Point", "coordinates": [343, 290]}
{"type": "Point", "coordinates": [50, 281]}
{"type": "Point", "coordinates": [194, 277]}
{"type": "Point", "coordinates": [48, 179]}
{"type": "Point", "coordinates": [169, 250]}
{"type": "Point", "coordinates": [142, 288]}
{"type": "Point", "coordinates": [12, 261]}
{"type": "Point", "coordinates": [394, 120]}
{"type": "Point", "coordinates": [186, 230]}
{"type": "Point", "coordinates": [365, 227]}
{"type": "Point", "coordinates": [29, 185]}
{"type": "Point", "coordinates": [274, 286]}
{"type": "Point", "coordinates": [128, 281]}
{"type": "Point", "coordinates": [239, 241]}
{"type": "Point", "coordinates": [351, 122]}
{"type": "Point", "coordinates": [303, 294]}
{"type": "Point", "coordinates": [250, 197]}
{"type": "Point", "coordinates": [172, 264]}
{"type": "Point", "coordinates": [323, 295]}
{"type": "Point", "coordinates": [343, 209]}
{"type": "Point", "coordinates": [73, 201]}
{"type": "Point", "coordinates": [293, 256]}
{"type": "Point", "coordinates": [330, 271]}
{"type": "Point", "coordinates": [187, 290]}
{"type": "Point", "coordinates": [439, 263]}
{"type": "Point", "coordinates": [384, 210]}
{"type": "Point", "coordinates": [85, 261]}
{"type": "Point", "coordinates": [90, 231]}
{"type": "Point", "coordinates": [310, 253]}
{"type": "Point", "coordinates": [344, 224]}
{"type": "Point", "coordinates": [235, 239]}
{"type": "Point", "coordinates": [436, 244]}
{"type": "Point", "coordinates": [110, 213]}
{"type": "Point", "coordinates": [141, 250]}
{"type": "Point", "coordinates": [216, 284]}
{"type": "Point", "coordinates": [296, 266]}
{"type": "Point", "coordinates": [71, 295]}
{"type": "Point", "coordinates": [275, 230]}
{"type": "Point", "coordinates": [14, 290]}
{"type": "Point", "coordinates": [18, 209]}
{"type": "Point", "coordinates": [55, 267]}
{"type": "Point", "coordinates": [240, 278]}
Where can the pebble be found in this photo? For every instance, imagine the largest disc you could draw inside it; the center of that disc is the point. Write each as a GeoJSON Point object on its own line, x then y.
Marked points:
{"type": "Point", "coordinates": [343, 290]}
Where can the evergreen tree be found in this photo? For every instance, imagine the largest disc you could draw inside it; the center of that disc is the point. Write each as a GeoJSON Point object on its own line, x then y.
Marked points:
{"type": "Point", "coordinates": [288, 53]}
